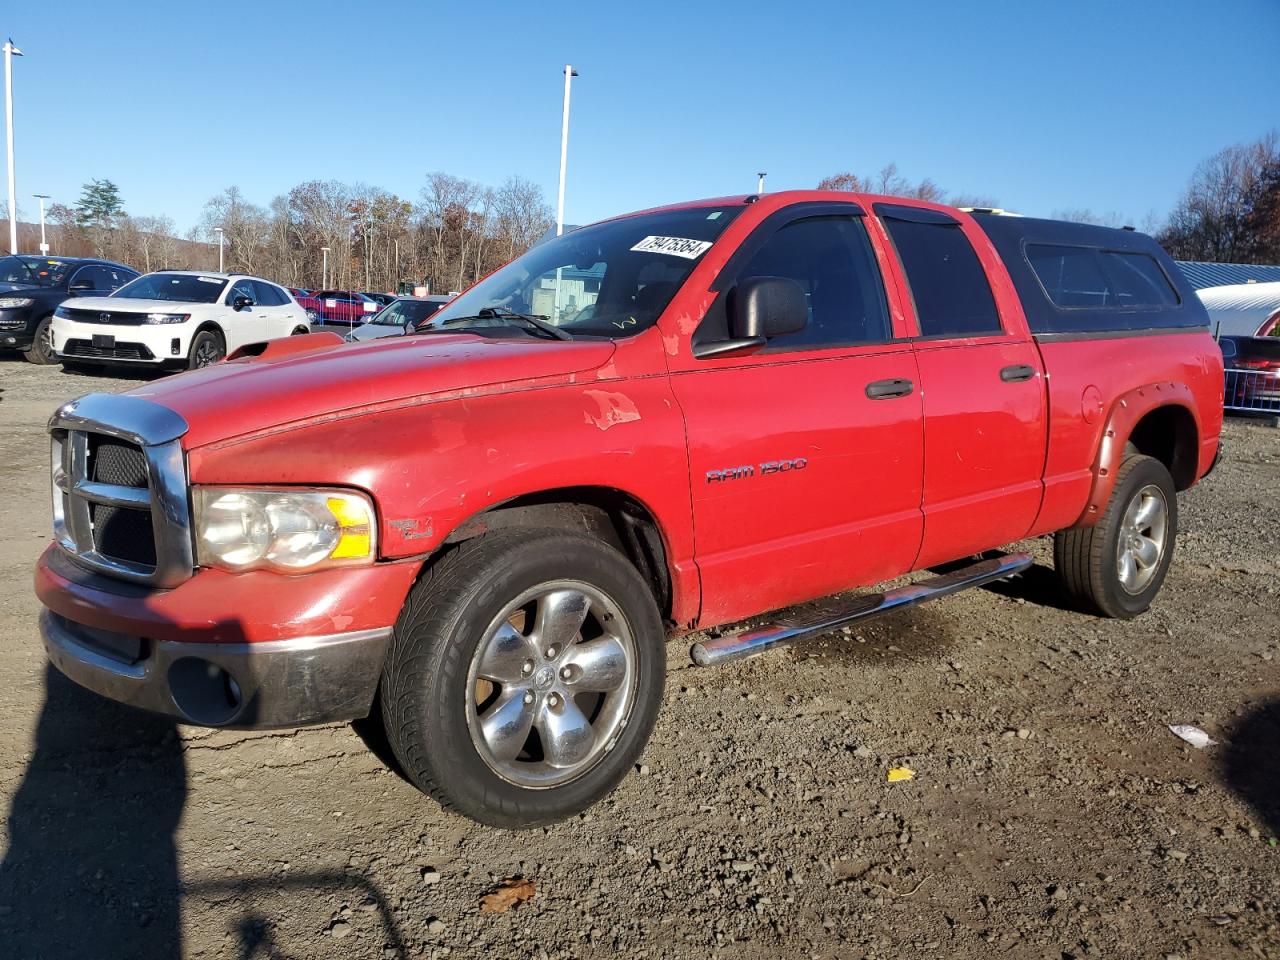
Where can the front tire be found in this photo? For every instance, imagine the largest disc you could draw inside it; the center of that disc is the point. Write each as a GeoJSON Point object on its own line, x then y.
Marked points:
{"type": "Point", "coordinates": [1116, 567]}
{"type": "Point", "coordinates": [41, 351]}
{"type": "Point", "coordinates": [524, 676]}
{"type": "Point", "coordinates": [206, 348]}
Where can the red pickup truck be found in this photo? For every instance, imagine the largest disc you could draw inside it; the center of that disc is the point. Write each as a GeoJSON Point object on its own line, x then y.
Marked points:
{"type": "Point", "coordinates": [484, 534]}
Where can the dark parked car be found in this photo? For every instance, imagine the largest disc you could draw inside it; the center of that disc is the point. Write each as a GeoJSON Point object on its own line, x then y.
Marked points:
{"type": "Point", "coordinates": [402, 315]}
{"type": "Point", "coordinates": [32, 287]}
{"type": "Point", "coordinates": [382, 298]}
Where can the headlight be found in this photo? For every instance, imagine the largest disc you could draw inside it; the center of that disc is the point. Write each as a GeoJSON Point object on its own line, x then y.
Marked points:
{"type": "Point", "coordinates": [8, 303]}
{"type": "Point", "coordinates": [290, 530]}
{"type": "Point", "coordinates": [167, 317]}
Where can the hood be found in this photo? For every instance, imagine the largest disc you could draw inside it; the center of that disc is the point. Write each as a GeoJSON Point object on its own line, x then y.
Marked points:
{"type": "Point", "coordinates": [24, 287]}
{"type": "Point", "coordinates": [130, 305]}
{"type": "Point", "coordinates": [243, 396]}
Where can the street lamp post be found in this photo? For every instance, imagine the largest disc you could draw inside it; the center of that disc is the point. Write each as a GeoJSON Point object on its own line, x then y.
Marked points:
{"type": "Point", "coordinates": [569, 74]}
{"type": "Point", "coordinates": [324, 268]}
{"type": "Point", "coordinates": [10, 51]}
{"type": "Point", "coordinates": [42, 197]}
{"type": "Point", "coordinates": [218, 231]}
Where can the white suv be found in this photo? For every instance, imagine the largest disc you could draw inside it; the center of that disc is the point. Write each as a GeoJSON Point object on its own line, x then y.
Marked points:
{"type": "Point", "coordinates": [175, 318]}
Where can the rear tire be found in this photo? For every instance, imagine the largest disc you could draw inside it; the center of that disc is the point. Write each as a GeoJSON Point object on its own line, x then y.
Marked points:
{"type": "Point", "coordinates": [508, 698]}
{"type": "Point", "coordinates": [206, 348]}
{"type": "Point", "coordinates": [41, 351]}
{"type": "Point", "coordinates": [1116, 567]}
{"type": "Point", "coordinates": [300, 331]}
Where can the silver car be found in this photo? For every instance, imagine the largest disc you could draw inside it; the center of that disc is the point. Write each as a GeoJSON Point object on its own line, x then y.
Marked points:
{"type": "Point", "coordinates": [398, 317]}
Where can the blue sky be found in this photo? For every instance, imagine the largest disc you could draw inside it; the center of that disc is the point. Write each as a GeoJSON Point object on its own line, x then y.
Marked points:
{"type": "Point", "coordinates": [1106, 105]}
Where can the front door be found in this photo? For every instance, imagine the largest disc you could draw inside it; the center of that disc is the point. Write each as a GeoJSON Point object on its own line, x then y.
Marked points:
{"type": "Point", "coordinates": [805, 457]}
{"type": "Point", "coordinates": [249, 324]}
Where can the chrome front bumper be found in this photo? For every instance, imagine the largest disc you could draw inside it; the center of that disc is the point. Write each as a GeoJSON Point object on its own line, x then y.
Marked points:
{"type": "Point", "coordinates": [275, 683]}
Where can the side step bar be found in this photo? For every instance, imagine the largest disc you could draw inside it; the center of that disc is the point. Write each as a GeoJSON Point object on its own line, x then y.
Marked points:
{"type": "Point", "coordinates": [811, 623]}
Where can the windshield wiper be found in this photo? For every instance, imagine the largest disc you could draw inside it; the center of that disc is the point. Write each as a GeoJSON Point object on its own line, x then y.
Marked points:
{"type": "Point", "coordinates": [502, 313]}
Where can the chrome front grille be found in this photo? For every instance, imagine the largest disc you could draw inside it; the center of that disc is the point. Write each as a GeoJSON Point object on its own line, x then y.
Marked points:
{"type": "Point", "coordinates": [120, 499]}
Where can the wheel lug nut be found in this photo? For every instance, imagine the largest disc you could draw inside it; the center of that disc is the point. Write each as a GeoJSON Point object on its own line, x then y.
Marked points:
{"type": "Point", "coordinates": [528, 667]}
{"type": "Point", "coordinates": [528, 698]}
{"type": "Point", "coordinates": [553, 700]}
{"type": "Point", "coordinates": [565, 673]}
{"type": "Point", "coordinates": [551, 652]}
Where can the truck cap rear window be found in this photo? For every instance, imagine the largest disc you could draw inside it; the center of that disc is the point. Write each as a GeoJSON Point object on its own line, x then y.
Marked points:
{"type": "Point", "coordinates": [1076, 277]}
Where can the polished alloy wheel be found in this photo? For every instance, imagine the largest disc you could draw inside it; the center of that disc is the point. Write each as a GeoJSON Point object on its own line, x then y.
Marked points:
{"type": "Point", "coordinates": [551, 685]}
{"type": "Point", "coordinates": [45, 341]}
{"type": "Point", "coordinates": [1141, 542]}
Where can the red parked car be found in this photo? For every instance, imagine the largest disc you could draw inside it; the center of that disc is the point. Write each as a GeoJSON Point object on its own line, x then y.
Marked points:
{"type": "Point", "coordinates": [664, 422]}
{"type": "Point", "coordinates": [339, 309]}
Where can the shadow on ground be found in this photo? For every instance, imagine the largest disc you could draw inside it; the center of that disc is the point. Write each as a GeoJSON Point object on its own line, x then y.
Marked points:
{"type": "Point", "coordinates": [1251, 764]}
{"type": "Point", "coordinates": [91, 869]}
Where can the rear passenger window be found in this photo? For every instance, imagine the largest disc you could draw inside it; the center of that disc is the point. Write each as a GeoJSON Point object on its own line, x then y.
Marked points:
{"type": "Point", "coordinates": [1076, 277]}
{"type": "Point", "coordinates": [831, 259]}
{"type": "Point", "coordinates": [948, 284]}
{"type": "Point", "coordinates": [268, 294]}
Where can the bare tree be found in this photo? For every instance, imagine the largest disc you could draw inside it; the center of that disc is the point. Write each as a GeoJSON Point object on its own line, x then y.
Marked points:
{"type": "Point", "coordinates": [1221, 216]}
{"type": "Point", "coordinates": [890, 182]}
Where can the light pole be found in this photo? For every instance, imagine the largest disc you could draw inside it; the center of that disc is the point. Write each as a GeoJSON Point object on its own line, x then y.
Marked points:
{"type": "Point", "coordinates": [569, 74]}
{"type": "Point", "coordinates": [760, 182]}
{"type": "Point", "coordinates": [324, 268]}
{"type": "Point", "coordinates": [218, 231]}
{"type": "Point", "coordinates": [10, 51]}
{"type": "Point", "coordinates": [42, 197]}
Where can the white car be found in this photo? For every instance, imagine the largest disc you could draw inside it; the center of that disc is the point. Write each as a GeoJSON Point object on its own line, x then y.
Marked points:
{"type": "Point", "coordinates": [178, 318]}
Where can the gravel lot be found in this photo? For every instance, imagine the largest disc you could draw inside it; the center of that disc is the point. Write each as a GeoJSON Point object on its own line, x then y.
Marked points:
{"type": "Point", "coordinates": [1052, 813]}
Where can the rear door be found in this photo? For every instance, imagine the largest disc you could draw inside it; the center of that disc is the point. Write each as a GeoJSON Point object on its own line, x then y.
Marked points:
{"type": "Point", "coordinates": [805, 457]}
{"type": "Point", "coordinates": [273, 303]}
{"type": "Point", "coordinates": [982, 379]}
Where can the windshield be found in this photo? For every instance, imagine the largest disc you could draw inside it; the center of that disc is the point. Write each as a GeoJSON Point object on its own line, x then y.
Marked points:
{"type": "Point", "coordinates": [612, 279]}
{"type": "Point", "coordinates": [181, 287]}
{"type": "Point", "coordinates": [400, 312]}
{"type": "Point", "coordinates": [33, 271]}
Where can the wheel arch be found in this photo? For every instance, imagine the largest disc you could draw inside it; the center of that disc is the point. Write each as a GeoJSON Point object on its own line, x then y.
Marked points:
{"type": "Point", "coordinates": [211, 325]}
{"type": "Point", "coordinates": [615, 516]}
{"type": "Point", "coordinates": [1157, 420]}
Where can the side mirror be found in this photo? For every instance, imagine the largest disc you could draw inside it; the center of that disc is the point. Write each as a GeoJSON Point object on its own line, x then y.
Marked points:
{"type": "Point", "coordinates": [759, 308]}
{"type": "Point", "coordinates": [241, 303]}
{"type": "Point", "coordinates": [767, 307]}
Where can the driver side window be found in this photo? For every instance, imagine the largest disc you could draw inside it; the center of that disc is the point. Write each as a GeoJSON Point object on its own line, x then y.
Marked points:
{"type": "Point", "coordinates": [241, 288]}
{"type": "Point", "coordinates": [832, 260]}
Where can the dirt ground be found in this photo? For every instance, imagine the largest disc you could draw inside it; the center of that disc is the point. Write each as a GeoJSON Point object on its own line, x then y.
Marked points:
{"type": "Point", "coordinates": [1052, 813]}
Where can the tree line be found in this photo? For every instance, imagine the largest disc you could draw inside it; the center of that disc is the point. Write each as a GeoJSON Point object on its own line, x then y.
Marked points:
{"type": "Point", "coordinates": [456, 232]}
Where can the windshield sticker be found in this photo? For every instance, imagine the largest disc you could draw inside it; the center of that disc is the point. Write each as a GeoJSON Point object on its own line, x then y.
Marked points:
{"type": "Point", "coordinates": [715, 215]}
{"type": "Point", "coordinates": [206, 280]}
{"type": "Point", "coordinates": [676, 246]}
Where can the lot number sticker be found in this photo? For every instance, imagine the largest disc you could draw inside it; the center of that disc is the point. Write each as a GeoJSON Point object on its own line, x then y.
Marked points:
{"type": "Point", "coordinates": [676, 246]}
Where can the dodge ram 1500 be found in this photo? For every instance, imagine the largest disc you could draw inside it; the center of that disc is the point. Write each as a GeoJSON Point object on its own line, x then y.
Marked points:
{"type": "Point", "coordinates": [485, 533]}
